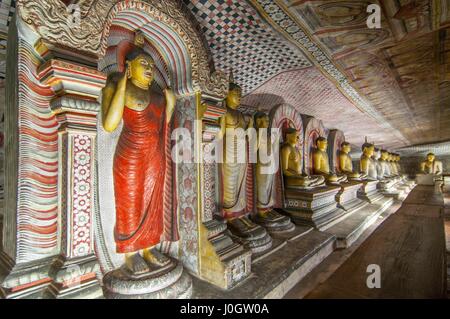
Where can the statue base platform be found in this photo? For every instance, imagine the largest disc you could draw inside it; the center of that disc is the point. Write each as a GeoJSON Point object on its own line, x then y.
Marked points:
{"type": "Point", "coordinates": [274, 222]}
{"type": "Point", "coordinates": [74, 279]}
{"type": "Point", "coordinates": [369, 191]}
{"type": "Point", "coordinates": [425, 179]}
{"type": "Point", "coordinates": [167, 282]}
{"type": "Point", "coordinates": [411, 184]}
{"type": "Point", "coordinates": [351, 228]}
{"type": "Point", "coordinates": [249, 234]}
{"type": "Point", "coordinates": [223, 256]}
{"type": "Point", "coordinates": [403, 187]}
{"type": "Point", "coordinates": [388, 187]}
{"type": "Point", "coordinates": [313, 207]}
{"type": "Point", "coordinates": [24, 281]}
{"type": "Point", "coordinates": [275, 273]}
{"type": "Point", "coordinates": [347, 198]}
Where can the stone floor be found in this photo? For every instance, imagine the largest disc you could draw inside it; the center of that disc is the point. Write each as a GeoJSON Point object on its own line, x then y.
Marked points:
{"type": "Point", "coordinates": [274, 275]}
{"type": "Point", "coordinates": [409, 247]}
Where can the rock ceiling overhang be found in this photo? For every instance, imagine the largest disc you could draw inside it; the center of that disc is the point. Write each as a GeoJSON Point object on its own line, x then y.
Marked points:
{"type": "Point", "coordinates": [402, 69]}
{"type": "Point", "coordinates": [442, 148]}
{"type": "Point", "coordinates": [370, 67]}
{"type": "Point", "coordinates": [234, 30]}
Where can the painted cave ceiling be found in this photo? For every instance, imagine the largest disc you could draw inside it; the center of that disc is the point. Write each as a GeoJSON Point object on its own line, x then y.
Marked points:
{"type": "Point", "coordinates": [390, 84]}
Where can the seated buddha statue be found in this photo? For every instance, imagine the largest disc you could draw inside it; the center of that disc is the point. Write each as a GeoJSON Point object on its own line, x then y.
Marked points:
{"type": "Point", "coordinates": [431, 165]}
{"type": "Point", "coordinates": [386, 168]}
{"type": "Point", "coordinates": [392, 165]}
{"type": "Point", "coordinates": [367, 163]}
{"type": "Point", "coordinates": [377, 158]}
{"type": "Point", "coordinates": [321, 163]}
{"type": "Point", "coordinates": [345, 162]}
{"type": "Point", "coordinates": [291, 164]}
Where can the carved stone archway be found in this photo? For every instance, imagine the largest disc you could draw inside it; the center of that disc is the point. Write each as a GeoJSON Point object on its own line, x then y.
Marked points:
{"type": "Point", "coordinates": [283, 116]}
{"type": "Point", "coordinates": [335, 139]}
{"type": "Point", "coordinates": [313, 129]}
{"type": "Point", "coordinates": [50, 19]}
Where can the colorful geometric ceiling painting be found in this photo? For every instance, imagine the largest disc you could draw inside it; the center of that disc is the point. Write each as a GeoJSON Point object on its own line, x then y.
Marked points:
{"type": "Point", "coordinates": [236, 33]}
{"type": "Point", "coordinates": [242, 42]}
{"type": "Point", "coordinates": [310, 92]}
{"type": "Point", "coordinates": [402, 68]}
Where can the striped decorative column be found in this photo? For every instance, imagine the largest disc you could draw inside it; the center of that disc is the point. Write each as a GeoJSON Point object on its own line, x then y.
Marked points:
{"type": "Point", "coordinates": [75, 105]}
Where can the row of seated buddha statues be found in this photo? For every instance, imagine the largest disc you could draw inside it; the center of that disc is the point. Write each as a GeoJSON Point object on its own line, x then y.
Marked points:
{"type": "Point", "coordinates": [384, 167]}
{"type": "Point", "coordinates": [325, 197]}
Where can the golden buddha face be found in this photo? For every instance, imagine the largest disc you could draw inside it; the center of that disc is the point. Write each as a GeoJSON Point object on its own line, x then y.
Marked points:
{"type": "Point", "coordinates": [431, 157]}
{"type": "Point", "coordinates": [322, 144]}
{"type": "Point", "coordinates": [141, 70]}
{"type": "Point", "coordinates": [368, 151]}
{"type": "Point", "coordinates": [293, 138]}
{"type": "Point", "coordinates": [234, 98]}
{"type": "Point", "coordinates": [384, 156]}
{"type": "Point", "coordinates": [346, 148]}
{"type": "Point", "coordinates": [262, 122]}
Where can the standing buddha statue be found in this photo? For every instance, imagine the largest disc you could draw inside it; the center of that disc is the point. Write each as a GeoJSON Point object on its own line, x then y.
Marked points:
{"type": "Point", "coordinates": [139, 164]}
{"type": "Point", "coordinates": [234, 174]}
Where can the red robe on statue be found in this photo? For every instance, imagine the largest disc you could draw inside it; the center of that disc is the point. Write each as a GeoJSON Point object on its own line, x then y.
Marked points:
{"type": "Point", "coordinates": [139, 177]}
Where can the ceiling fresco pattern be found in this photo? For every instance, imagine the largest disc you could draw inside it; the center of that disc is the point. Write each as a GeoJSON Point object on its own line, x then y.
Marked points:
{"type": "Point", "coordinates": [242, 42]}
{"type": "Point", "coordinates": [402, 69]}
{"type": "Point", "coordinates": [312, 93]}
{"type": "Point", "coordinates": [263, 13]}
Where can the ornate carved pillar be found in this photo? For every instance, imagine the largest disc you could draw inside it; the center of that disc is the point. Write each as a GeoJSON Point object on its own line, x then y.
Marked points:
{"type": "Point", "coordinates": [75, 105]}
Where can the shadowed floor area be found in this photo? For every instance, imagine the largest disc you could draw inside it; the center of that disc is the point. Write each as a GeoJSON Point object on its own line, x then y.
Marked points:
{"type": "Point", "coordinates": [409, 247]}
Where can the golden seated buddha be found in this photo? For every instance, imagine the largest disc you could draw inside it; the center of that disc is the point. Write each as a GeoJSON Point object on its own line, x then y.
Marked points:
{"type": "Point", "coordinates": [345, 162]}
{"type": "Point", "coordinates": [431, 165]}
{"type": "Point", "coordinates": [321, 164]}
{"type": "Point", "coordinates": [367, 163]}
{"type": "Point", "coordinates": [291, 165]}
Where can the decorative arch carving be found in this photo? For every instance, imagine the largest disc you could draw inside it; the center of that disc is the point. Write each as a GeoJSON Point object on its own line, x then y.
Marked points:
{"type": "Point", "coordinates": [283, 116]}
{"type": "Point", "coordinates": [51, 19]}
{"type": "Point", "coordinates": [313, 129]}
{"type": "Point", "coordinates": [335, 139]}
